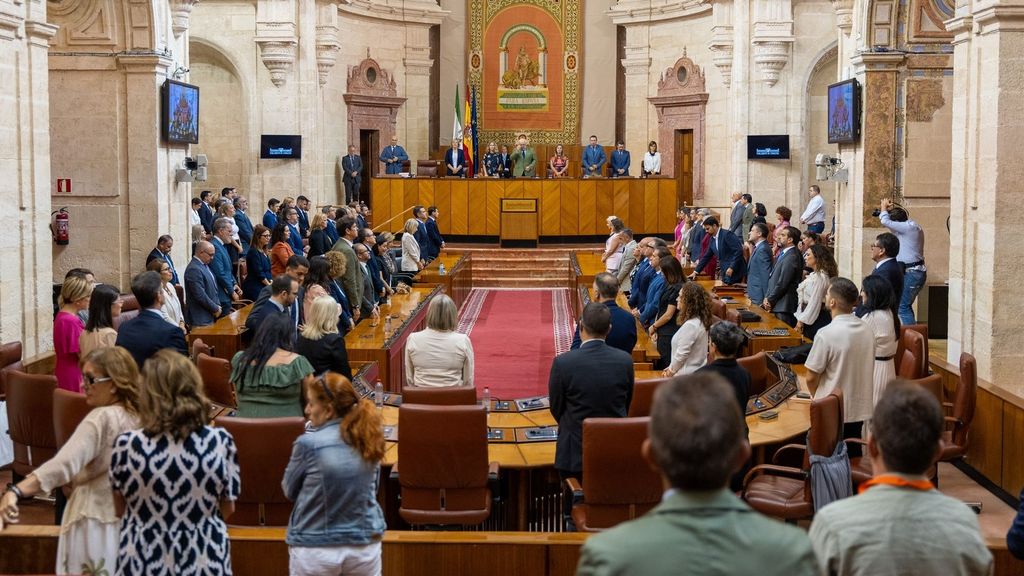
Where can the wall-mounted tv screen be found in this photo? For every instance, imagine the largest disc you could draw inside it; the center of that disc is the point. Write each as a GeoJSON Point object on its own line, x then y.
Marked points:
{"type": "Point", "coordinates": [774, 147]}
{"type": "Point", "coordinates": [844, 112]}
{"type": "Point", "coordinates": [180, 113]}
{"type": "Point", "coordinates": [280, 146]}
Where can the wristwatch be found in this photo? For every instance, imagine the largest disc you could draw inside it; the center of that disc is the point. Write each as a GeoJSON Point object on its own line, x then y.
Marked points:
{"type": "Point", "coordinates": [11, 487]}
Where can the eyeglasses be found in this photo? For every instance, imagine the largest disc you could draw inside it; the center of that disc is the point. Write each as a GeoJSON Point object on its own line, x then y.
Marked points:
{"type": "Point", "coordinates": [165, 269]}
{"type": "Point", "coordinates": [265, 234]}
{"type": "Point", "coordinates": [90, 381]}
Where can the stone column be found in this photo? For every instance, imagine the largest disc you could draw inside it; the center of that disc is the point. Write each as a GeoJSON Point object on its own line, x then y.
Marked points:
{"type": "Point", "coordinates": [418, 64]}
{"type": "Point", "coordinates": [639, 83]}
{"type": "Point", "coordinates": [986, 296]}
{"type": "Point", "coordinates": [26, 248]}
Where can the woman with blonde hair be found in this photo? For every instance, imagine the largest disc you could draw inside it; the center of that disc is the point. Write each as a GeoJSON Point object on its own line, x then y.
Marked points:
{"type": "Point", "coordinates": [614, 245]}
{"type": "Point", "coordinates": [89, 531]}
{"type": "Point", "coordinates": [411, 261]}
{"type": "Point", "coordinates": [320, 342]}
{"type": "Point", "coordinates": [171, 306]}
{"type": "Point", "coordinates": [336, 266]}
{"type": "Point", "coordinates": [438, 355]}
{"type": "Point", "coordinates": [174, 527]}
{"type": "Point", "coordinates": [67, 329]}
{"type": "Point", "coordinates": [690, 342]}
{"type": "Point", "coordinates": [319, 243]}
{"type": "Point", "coordinates": [336, 524]}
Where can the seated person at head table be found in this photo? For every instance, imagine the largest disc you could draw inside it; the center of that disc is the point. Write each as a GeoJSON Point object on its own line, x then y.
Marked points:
{"type": "Point", "coordinates": [622, 334]}
{"type": "Point", "coordinates": [320, 343]}
{"type": "Point", "coordinates": [558, 165]}
{"type": "Point", "coordinates": [619, 161]}
{"type": "Point", "coordinates": [690, 342]}
{"type": "Point", "coordinates": [438, 356]}
{"type": "Point", "coordinates": [696, 443]}
{"type": "Point", "coordinates": [268, 375]}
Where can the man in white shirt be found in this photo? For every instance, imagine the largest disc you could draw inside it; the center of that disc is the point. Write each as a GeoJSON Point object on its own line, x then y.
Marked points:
{"type": "Point", "coordinates": [843, 356]}
{"type": "Point", "coordinates": [910, 256]}
{"type": "Point", "coordinates": [814, 215]}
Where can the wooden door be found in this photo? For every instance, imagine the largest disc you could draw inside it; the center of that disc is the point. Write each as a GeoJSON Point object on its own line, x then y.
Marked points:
{"type": "Point", "coordinates": [369, 147]}
{"type": "Point", "coordinates": [684, 167]}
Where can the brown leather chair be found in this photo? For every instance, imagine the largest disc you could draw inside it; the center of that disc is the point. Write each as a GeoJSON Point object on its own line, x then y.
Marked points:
{"type": "Point", "coordinates": [618, 484]}
{"type": "Point", "coordinates": [426, 168]}
{"type": "Point", "coordinates": [445, 396]}
{"type": "Point", "coordinates": [757, 366]}
{"type": "Point", "coordinates": [783, 491]}
{"type": "Point", "coordinates": [643, 396]}
{"type": "Point", "coordinates": [69, 409]}
{"type": "Point", "coordinates": [264, 448]}
{"type": "Point", "coordinates": [958, 424]}
{"type": "Point", "coordinates": [922, 329]}
{"type": "Point", "coordinates": [719, 308]}
{"type": "Point", "coordinates": [10, 359]}
{"type": "Point", "coordinates": [129, 309]}
{"type": "Point", "coordinates": [200, 347]}
{"type": "Point", "coordinates": [30, 419]}
{"type": "Point", "coordinates": [444, 474]}
{"type": "Point", "coordinates": [216, 373]}
{"type": "Point", "coordinates": [733, 315]}
{"type": "Point", "coordinates": [912, 363]}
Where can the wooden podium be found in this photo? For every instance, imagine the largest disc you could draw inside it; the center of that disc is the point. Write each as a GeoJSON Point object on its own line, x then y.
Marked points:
{"type": "Point", "coordinates": [519, 227]}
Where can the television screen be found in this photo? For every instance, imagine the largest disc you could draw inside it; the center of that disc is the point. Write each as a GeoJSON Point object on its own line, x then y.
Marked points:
{"type": "Point", "coordinates": [768, 147]}
{"type": "Point", "coordinates": [280, 146]}
{"type": "Point", "coordinates": [180, 113]}
{"type": "Point", "coordinates": [844, 112]}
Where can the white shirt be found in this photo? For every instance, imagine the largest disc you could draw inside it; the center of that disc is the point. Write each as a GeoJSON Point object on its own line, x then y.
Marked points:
{"type": "Point", "coordinates": [815, 211]}
{"type": "Point", "coordinates": [843, 354]}
{"type": "Point", "coordinates": [880, 262]}
{"type": "Point", "coordinates": [194, 219]}
{"type": "Point", "coordinates": [434, 358]}
{"type": "Point", "coordinates": [652, 162]}
{"type": "Point", "coordinates": [410, 253]}
{"type": "Point", "coordinates": [689, 347]}
{"type": "Point", "coordinates": [172, 306]}
{"type": "Point", "coordinates": [810, 296]}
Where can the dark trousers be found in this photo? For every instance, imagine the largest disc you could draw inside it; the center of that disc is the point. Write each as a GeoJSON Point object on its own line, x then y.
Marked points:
{"type": "Point", "coordinates": [570, 526]}
{"type": "Point", "coordinates": [664, 345]}
{"type": "Point", "coordinates": [853, 430]}
{"type": "Point", "coordinates": [786, 317]}
{"type": "Point", "coordinates": [352, 186]}
{"type": "Point", "coordinates": [823, 319]}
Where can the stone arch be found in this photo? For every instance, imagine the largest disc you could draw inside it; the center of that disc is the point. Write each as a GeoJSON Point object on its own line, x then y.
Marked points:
{"type": "Point", "coordinates": [822, 71]}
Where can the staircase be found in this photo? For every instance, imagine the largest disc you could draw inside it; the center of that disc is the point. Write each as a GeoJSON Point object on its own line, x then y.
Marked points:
{"type": "Point", "coordinates": [520, 268]}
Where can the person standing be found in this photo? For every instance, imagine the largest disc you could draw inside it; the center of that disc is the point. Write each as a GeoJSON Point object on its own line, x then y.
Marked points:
{"type": "Point", "coordinates": [781, 298]}
{"type": "Point", "coordinates": [455, 160]}
{"type": "Point", "coordinates": [104, 306]}
{"type": "Point", "coordinates": [736, 215]}
{"type": "Point", "coordinates": [170, 304]}
{"type": "Point", "coordinates": [164, 244]}
{"type": "Point", "coordinates": [878, 300]}
{"type": "Point", "coordinates": [202, 306]}
{"type": "Point", "coordinates": [269, 375]}
{"type": "Point", "coordinates": [243, 223]}
{"type": "Point", "coordinates": [352, 169]}
{"type": "Point", "coordinates": [302, 211]}
{"type": "Point", "coordinates": [620, 161]}
{"type": "Point", "coordinates": [227, 290]}
{"type": "Point", "coordinates": [270, 216]}
{"type": "Point", "coordinates": [883, 251]}
{"type": "Point", "coordinates": [910, 256]}
{"type": "Point", "coordinates": [205, 211]}
{"type": "Point", "coordinates": [727, 248]}
{"type": "Point", "coordinates": [524, 160]}
{"type": "Point", "coordinates": [814, 214]}
{"type": "Point", "coordinates": [393, 157]}
{"type": "Point", "coordinates": [75, 294]}
{"type": "Point", "coordinates": [652, 160]}
{"type": "Point", "coordinates": [434, 238]}
{"type": "Point", "coordinates": [351, 282]}
{"type": "Point", "coordinates": [504, 163]}
{"type": "Point", "coordinates": [748, 213]}
{"type": "Point", "coordinates": [811, 314]}
{"type": "Point", "coordinates": [491, 167]}
{"type": "Point", "coordinates": [622, 334]}
{"type": "Point", "coordinates": [258, 264]}
{"type": "Point", "coordinates": [759, 269]}
{"type": "Point", "coordinates": [294, 223]}
{"type": "Point", "coordinates": [558, 165]}
{"type": "Point", "coordinates": [439, 355]}
{"type": "Point", "coordinates": [149, 332]}
{"type": "Point", "coordinates": [690, 342]}
{"type": "Point", "coordinates": [593, 159]}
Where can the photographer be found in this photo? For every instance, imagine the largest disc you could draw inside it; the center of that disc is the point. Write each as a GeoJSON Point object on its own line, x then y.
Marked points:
{"type": "Point", "coordinates": [911, 255]}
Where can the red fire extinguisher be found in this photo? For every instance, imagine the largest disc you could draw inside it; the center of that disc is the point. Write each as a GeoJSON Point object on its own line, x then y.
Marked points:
{"type": "Point", "coordinates": [60, 225]}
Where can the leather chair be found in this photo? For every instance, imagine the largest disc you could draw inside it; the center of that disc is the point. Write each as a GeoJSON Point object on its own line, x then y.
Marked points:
{"type": "Point", "coordinates": [216, 373]}
{"type": "Point", "coordinates": [426, 168]}
{"type": "Point", "coordinates": [129, 309]}
{"type": "Point", "coordinates": [643, 396]}
{"type": "Point", "coordinates": [618, 484]}
{"type": "Point", "coordinates": [10, 359]}
{"type": "Point", "coordinates": [958, 424]}
{"type": "Point", "coordinates": [200, 347]}
{"type": "Point", "coordinates": [919, 328]}
{"type": "Point", "coordinates": [783, 491]}
{"type": "Point", "coordinates": [733, 315]}
{"type": "Point", "coordinates": [69, 409]}
{"type": "Point", "coordinates": [30, 419]}
{"type": "Point", "coordinates": [264, 448]}
{"type": "Point", "coordinates": [760, 377]}
{"type": "Point", "coordinates": [912, 362]}
{"type": "Point", "coordinates": [719, 308]}
{"type": "Point", "coordinates": [446, 396]}
{"type": "Point", "coordinates": [445, 473]}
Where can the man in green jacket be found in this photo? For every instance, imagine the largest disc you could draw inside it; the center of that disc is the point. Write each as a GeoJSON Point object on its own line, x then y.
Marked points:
{"type": "Point", "coordinates": [696, 442]}
{"type": "Point", "coordinates": [524, 160]}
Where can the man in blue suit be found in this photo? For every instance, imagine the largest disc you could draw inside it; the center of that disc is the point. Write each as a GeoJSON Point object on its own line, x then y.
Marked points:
{"type": "Point", "coordinates": [295, 238]}
{"type": "Point", "coordinates": [697, 238]}
{"type": "Point", "coordinates": [620, 161]}
{"type": "Point", "coordinates": [352, 177]}
{"type": "Point", "coordinates": [202, 306]}
{"type": "Point", "coordinates": [227, 290]}
{"type": "Point", "coordinates": [302, 210]}
{"type": "Point", "coordinates": [332, 229]}
{"type": "Point", "coordinates": [883, 251]}
{"type": "Point", "coordinates": [284, 290]}
{"type": "Point", "coordinates": [393, 156]}
{"type": "Point", "coordinates": [422, 238]}
{"type": "Point", "coordinates": [243, 223]}
{"type": "Point", "coordinates": [759, 269]}
{"type": "Point", "coordinates": [622, 334]}
{"type": "Point", "coordinates": [270, 216]}
{"type": "Point", "coordinates": [150, 331]}
{"type": "Point", "coordinates": [593, 158]}
{"type": "Point", "coordinates": [729, 250]}
{"type": "Point", "coordinates": [433, 233]}
{"type": "Point", "coordinates": [455, 160]}
{"type": "Point", "coordinates": [205, 212]}
{"type": "Point", "coordinates": [163, 251]}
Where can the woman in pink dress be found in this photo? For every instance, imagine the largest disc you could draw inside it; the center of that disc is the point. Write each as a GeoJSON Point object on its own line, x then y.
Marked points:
{"type": "Point", "coordinates": [67, 327]}
{"type": "Point", "coordinates": [683, 220]}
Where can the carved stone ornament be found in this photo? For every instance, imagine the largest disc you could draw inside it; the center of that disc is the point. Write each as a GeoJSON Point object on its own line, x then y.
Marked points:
{"type": "Point", "coordinates": [721, 47]}
{"type": "Point", "coordinates": [771, 57]}
{"type": "Point", "coordinates": [278, 56]}
{"type": "Point", "coordinates": [181, 13]}
{"type": "Point", "coordinates": [326, 56]}
{"type": "Point", "coordinates": [368, 79]}
{"type": "Point", "coordinates": [844, 15]}
{"type": "Point", "coordinates": [683, 78]}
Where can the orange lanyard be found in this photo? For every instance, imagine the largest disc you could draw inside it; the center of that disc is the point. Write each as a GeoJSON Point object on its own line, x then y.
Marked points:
{"type": "Point", "coordinates": [922, 485]}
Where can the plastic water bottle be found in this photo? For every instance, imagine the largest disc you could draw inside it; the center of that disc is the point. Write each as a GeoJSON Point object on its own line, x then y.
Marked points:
{"type": "Point", "coordinates": [387, 325]}
{"type": "Point", "coordinates": [487, 399]}
{"type": "Point", "coordinates": [440, 269]}
{"type": "Point", "coordinates": [378, 395]}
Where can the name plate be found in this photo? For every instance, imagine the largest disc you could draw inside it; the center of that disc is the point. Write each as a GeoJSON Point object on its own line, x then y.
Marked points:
{"type": "Point", "coordinates": [519, 205]}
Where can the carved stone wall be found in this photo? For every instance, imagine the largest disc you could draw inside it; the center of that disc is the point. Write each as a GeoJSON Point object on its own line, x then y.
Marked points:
{"type": "Point", "coordinates": [681, 104]}
{"type": "Point", "coordinates": [373, 101]}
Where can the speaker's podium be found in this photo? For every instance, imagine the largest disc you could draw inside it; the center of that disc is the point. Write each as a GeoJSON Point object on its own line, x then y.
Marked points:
{"type": "Point", "coordinates": [519, 226]}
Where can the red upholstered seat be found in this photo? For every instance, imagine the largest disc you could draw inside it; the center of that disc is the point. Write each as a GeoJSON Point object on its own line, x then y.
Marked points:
{"type": "Point", "coordinates": [760, 377]}
{"type": "Point", "coordinates": [443, 396]}
{"type": "Point", "coordinates": [912, 355]}
{"type": "Point", "coordinates": [217, 385]}
{"type": "Point", "coordinates": [30, 419]}
{"type": "Point", "coordinates": [958, 424]}
{"type": "Point", "coordinates": [643, 396]}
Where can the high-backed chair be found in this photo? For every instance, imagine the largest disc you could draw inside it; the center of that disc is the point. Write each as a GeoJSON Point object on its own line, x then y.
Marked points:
{"type": "Point", "coordinates": [444, 466]}
{"type": "Point", "coordinates": [30, 419]}
{"type": "Point", "coordinates": [10, 359]}
{"type": "Point", "coordinates": [129, 310]}
{"type": "Point", "coordinates": [757, 366]}
{"type": "Point", "coordinates": [618, 484]}
{"type": "Point", "coordinates": [444, 396]}
{"type": "Point", "coordinates": [216, 374]}
{"type": "Point", "coordinates": [643, 396]}
{"type": "Point", "coordinates": [426, 168]}
{"type": "Point", "coordinates": [200, 347]}
{"type": "Point", "coordinates": [958, 423]}
{"type": "Point", "coordinates": [912, 364]}
{"type": "Point", "coordinates": [785, 492]}
{"type": "Point", "coordinates": [922, 329]}
{"type": "Point", "coordinates": [733, 315]}
{"type": "Point", "coordinates": [69, 409]}
{"type": "Point", "coordinates": [264, 448]}
{"type": "Point", "coordinates": [718, 308]}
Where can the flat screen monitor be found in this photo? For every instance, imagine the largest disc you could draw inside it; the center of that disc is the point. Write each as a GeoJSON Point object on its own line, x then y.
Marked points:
{"type": "Point", "coordinates": [280, 146]}
{"type": "Point", "coordinates": [772, 147]}
{"type": "Point", "coordinates": [180, 113]}
{"type": "Point", "coordinates": [844, 112]}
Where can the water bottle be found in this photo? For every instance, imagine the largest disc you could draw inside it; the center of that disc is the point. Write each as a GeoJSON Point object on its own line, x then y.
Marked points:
{"type": "Point", "coordinates": [487, 399]}
{"type": "Point", "coordinates": [440, 269]}
{"type": "Point", "coordinates": [378, 395]}
{"type": "Point", "coordinates": [387, 325]}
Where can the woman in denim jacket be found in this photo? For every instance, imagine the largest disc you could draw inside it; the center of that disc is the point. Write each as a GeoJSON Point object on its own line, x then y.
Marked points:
{"type": "Point", "coordinates": [336, 524]}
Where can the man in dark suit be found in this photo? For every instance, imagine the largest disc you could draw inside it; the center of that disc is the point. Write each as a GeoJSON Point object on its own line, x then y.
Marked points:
{"type": "Point", "coordinates": [351, 282]}
{"type": "Point", "coordinates": [622, 334]}
{"type": "Point", "coordinates": [163, 251]}
{"type": "Point", "coordinates": [302, 210]}
{"type": "Point", "coordinates": [284, 290]}
{"type": "Point", "coordinates": [593, 381]}
{"type": "Point", "coordinates": [150, 331]}
{"type": "Point", "coordinates": [781, 298]}
{"type": "Point", "coordinates": [729, 251]}
{"type": "Point", "coordinates": [883, 252]}
{"type": "Point", "coordinates": [205, 212]}
{"type": "Point", "coordinates": [202, 306]}
{"type": "Point", "coordinates": [227, 290]}
{"type": "Point", "coordinates": [455, 160]}
{"type": "Point", "coordinates": [295, 236]}
{"type": "Point", "coordinates": [270, 216]}
{"type": "Point", "coordinates": [504, 163]}
{"type": "Point", "coordinates": [332, 229]}
{"type": "Point", "coordinates": [422, 237]}
{"type": "Point", "coordinates": [593, 159]}
{"type": "Point", "coordinates": [736, 214]}
{"type": "Point", "coordinates": [352, 167]}
{"type": "Point", "coordinates": [619, 161]}
{"type": "Point", "coordinates": [433, 233]}
{"type": "Point", "coordinates": [368, 305]}
{"type": "Point", "coordinates": [243, 223]}
{"type": "Point", "coordinates": [759, 269]}
{"type": "Point", "coordinates": [697, 237]}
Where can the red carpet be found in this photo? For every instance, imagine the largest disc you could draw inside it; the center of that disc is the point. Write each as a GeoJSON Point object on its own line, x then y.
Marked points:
{"type": "Point", "coordinates": [515, 335]}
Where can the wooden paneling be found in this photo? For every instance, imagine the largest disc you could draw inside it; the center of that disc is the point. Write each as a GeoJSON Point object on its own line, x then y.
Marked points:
{"type": "Point", "coordinates": [985, 450]}
{"type": "Point", "coordinates": [498, 560]}
{"type": "Point", "coordinates": [588, 214]}
{"type": "Point", "coordinates": [620, 200]}
{"type": "Point", "coordinates": [459, 214]}
{"type": "Point", "coordinates": [495, 192]}
{"type": "Point", "coordinates": [651, 206]}
{"type": "Point", "coordinates": [666, 204]}
{"type": "Point", "coordinates": [427, 192]}
{"type": "Point", "coordinates": [605, 206]}
{"type": "Point", "coordinates": [570, 209]}
{"type": "Point", "coordinates": [550, 208]}
{"type": "Point", "coordinates": [1013, 450]}
{"type": "Point", "coordinates": [477, 210]}
{"type": "Point", "coordinates": [443, 201]}
{"type": "Point", "coordinates": [636, 208]}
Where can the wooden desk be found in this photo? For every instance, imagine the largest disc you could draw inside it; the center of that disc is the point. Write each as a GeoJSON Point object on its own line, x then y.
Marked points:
{"type": "Point", "coordinates": [457, 280]}
{"type": "Point", "coordinates": [768, 322]}
{"type": "Point", "coordinates": [225, 335]}
{"type": "Point", "coordinates": [645, 350]}
{"type": "Point", "coordinates": [369, 343]}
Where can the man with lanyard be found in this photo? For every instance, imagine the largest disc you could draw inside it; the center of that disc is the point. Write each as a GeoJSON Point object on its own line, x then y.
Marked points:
{"type": "Point", "coordinates": [899, 523]}
{"type": "Point", "coordinates": [910, 256]}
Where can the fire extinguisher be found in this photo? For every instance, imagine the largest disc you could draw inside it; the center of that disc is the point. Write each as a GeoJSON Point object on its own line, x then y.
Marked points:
{"type": "Point", "coordinates": [60, 225]}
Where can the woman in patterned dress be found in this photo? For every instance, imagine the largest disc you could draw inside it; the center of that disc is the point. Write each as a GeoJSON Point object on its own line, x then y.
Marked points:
{"type": "Point", "coordinates": [176, 479]}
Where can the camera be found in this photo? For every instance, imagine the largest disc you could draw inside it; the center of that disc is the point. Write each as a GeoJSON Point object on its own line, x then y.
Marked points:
{"type": "Point", "coordinates": [876, 212]}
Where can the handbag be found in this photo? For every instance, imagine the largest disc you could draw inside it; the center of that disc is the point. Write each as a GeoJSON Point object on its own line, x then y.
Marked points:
{"type": "Point", "coordinates": [793, 354]}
